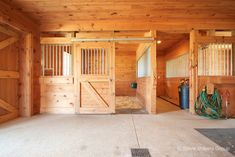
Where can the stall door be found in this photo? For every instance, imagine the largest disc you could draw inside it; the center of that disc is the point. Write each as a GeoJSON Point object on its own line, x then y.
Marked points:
{"type": "Point", "coordinates": [94, 78]}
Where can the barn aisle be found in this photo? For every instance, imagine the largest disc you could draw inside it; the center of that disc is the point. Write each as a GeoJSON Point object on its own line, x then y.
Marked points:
{"type": "Point", "coordinates": [110, 135]}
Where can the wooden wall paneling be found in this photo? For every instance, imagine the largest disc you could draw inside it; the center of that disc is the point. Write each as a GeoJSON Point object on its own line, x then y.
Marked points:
{"type": "Point", "coordinates": [57, 95]}
{"type": "Point", "coordinates": [7, 42]}
{"type": "Point", "coordinates": [161, 75]}
{"type": "Point", "coordinates": [9, 76]}
{"type": "Point", "coordinates": [125, 69]}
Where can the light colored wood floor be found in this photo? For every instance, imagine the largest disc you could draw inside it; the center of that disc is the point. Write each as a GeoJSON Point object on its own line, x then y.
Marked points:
{"type": "Point", "coordinates": [128, 104]}
{"type": "Point", "coordinates": [164, 106]}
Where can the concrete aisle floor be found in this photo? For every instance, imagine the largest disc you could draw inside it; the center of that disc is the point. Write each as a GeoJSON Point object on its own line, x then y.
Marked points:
{"type": "Point", "coordinates": [170, 134]}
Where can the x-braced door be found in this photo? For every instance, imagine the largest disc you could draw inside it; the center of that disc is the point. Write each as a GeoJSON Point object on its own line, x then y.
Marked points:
{"type": "Point", "coordinates": [94, 77]}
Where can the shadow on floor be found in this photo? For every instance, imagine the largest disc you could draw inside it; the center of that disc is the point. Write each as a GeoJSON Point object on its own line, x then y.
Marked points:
{"type": "Point", "coordinates": [164, 106]}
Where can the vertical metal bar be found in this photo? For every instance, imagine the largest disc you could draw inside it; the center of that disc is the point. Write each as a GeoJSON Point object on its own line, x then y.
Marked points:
{"type": "Point", "coordinates": [56, 60]}
{"type": "Point", "coordinates": [59, 60]}
{"type": "Point", "coordinates": [42, 60]}
{"type": "Point", "coordinates": [66, 68]}
{"type": "Point", "coordinates": [209, 59]}
{"type": "Point", "coordinates": [82, 61]}
{"type": "Point", "coordinates": [49, 58]}
{"type": "Point", "coordinates": [46, 55]}
{"type": "Point", "coordinates": [88, 61]}
{"type": "Point", "coordinates": [97, 67]}
{"type": "Point", "coordinates": [85, 61]}
{"type": "Point", "coordinates": [103, 61]}
{"type": "Point", "coordinates": [97, 61]}
{"type": "Point", "coordinates": [71, 60]}
{"type": "Point", "coordinates": [231, 59]}
{"type": "Point", "coordinates": [204, 60]}
{"type": "Point", "coordinates": [215, 59]}
{"type": "Point", "coordinates": [53, 47]}
{"type": "Point", "coordinates": [94, 61]}
{"type": "Point", "coordinates": [100, 60]}
{"type": "Point", "coordinates": [106, 72]}
{"type": "Point", "coordinates": [225, 60]}
{"type": "Point", "coordinates": [91, 60]}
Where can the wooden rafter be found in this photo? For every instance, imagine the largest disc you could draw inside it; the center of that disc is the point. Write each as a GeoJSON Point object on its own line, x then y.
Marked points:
{"type": "Point", "coordinates": [7, 42]}
{"type": "Point", "coordinates": [9, 74]}
{"type": "Point", "coordinates": [8, 32]}
{"type": "Point", "coordinates": [94, 93]}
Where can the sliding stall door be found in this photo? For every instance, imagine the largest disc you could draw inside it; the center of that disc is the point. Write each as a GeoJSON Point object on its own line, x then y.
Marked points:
{"type": "Point", "coordinates": [94, 78]}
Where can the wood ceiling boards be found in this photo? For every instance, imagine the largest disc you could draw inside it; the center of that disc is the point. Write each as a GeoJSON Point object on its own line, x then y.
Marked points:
{"type": "Point", "coordinates": [75, 15]}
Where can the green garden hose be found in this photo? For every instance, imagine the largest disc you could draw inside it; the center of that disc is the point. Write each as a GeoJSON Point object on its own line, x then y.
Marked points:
{"type": "Point", "coordinates": [209, 106]}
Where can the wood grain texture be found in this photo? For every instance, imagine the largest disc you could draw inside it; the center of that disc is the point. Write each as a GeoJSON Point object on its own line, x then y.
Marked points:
{"type": "Point", "coordinates": [125, 69]}
{"type": "Point", "coordinates": [9, 75]}
{"type": "Point", "coordinates": [57, 95]}
{"type": "Point", "coordinates": [128, 15]}
{"type": "Point", "coordinates": [161, 76]}
{"type": "Point", "coordinates": [171, 84]}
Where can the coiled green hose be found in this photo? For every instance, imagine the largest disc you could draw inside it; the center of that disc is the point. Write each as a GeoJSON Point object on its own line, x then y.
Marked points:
{"type": "Point", "coordinates": [210, 107]}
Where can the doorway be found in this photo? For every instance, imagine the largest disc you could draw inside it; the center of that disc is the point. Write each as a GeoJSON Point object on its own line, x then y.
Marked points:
{"type": "Point", "coordinates": [172, 67]}
{"type": "Point", "coordinates": [126, 79]}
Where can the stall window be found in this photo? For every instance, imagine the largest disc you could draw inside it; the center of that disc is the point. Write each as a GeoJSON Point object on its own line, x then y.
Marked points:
{"type": "Point", "coordinates": [56, 60]}
{"type": "Point", "coordinates": [144, 64]}
{"type": "Point", "coordinates": [95, 61]}
{"type": "Point", "coordinates": [178, 67]}
{"type": "Point", "coordinates": [216, 59]}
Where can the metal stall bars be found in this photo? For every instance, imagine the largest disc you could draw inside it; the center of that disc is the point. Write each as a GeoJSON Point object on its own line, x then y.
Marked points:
{"type": "Point", "coordinates": [56, 59]}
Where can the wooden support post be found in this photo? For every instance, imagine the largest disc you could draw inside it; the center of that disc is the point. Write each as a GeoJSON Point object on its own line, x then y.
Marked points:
{"type": "Point", "coordinates": [112, 78]}
{"type": "Point", "coordinates": [153, 83]}
{"type": "Point", "coordinates": [77, 70]}
{"type": "Point", "coordinates": [26, 76]}
{"type": "Point", "coordinates": [193, 70]}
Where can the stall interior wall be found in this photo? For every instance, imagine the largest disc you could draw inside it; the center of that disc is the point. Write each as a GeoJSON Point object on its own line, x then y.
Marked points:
{"type": "Point", "coordinates": [216, 64]}
{"type": "Point", "coordinates": [125, 69]}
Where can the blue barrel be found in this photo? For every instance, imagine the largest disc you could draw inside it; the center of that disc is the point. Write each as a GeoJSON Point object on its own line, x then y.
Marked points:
{"type": "Point", "coordinates": [184, 96]}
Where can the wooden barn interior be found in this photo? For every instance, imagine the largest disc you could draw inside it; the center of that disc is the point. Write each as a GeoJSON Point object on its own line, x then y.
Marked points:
{"type": "Point", "coordinates": [114, 62]}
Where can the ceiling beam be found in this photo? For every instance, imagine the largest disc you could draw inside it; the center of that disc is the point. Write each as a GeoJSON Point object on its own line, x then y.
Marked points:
{"type": "Point", "coordinates": [7, 42]}
{"type": "Point", "coordinates": [184, 25]}
{"type": "Point", "coordinates": [16, 19]}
